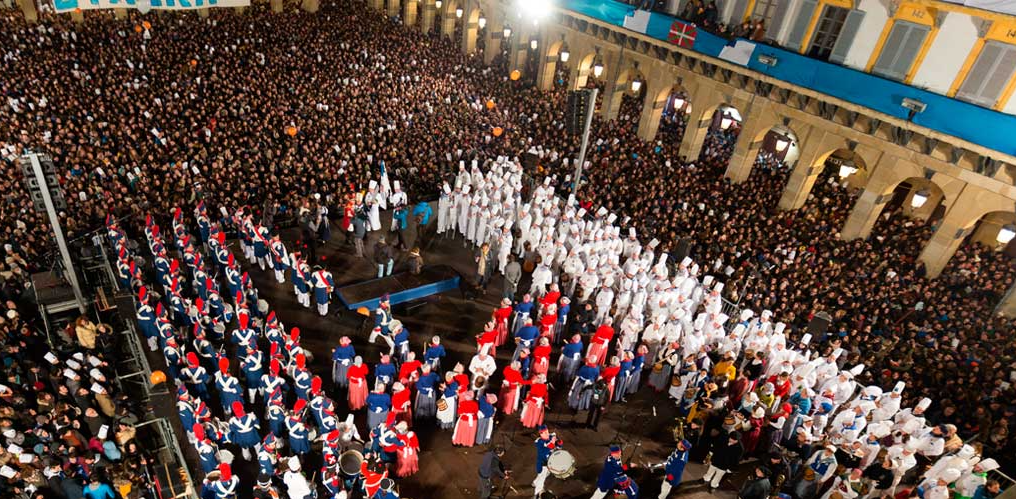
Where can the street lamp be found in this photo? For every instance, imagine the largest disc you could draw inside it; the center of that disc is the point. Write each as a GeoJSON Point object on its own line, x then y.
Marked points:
{"type": "Point", "coordinates": [533, 44]}
{"type": "Point", "coordinates": [481, 22]}
{"type": "Point", "coordinates": [636, 85]}
{"type": "Point", "coordinates": [847, 170]}
{"type": "Point", "coordinates": [725, 123]}
{"type": "Point", "coordinates": [781, 145]}
{"type": "Point", "coordinates": [678, 103]}
{"type": "Point", "coordinates": [507, 32]}
{"type": "Point", "coordinates": [597, 69]}
{"type": "Point", "coordinates": [459, 12]}
{"type": "Point", "coordinates": [437, 4]}
{"type": "Point", "coordinates": [1006, 233]}
{"type": "Point", "coordinates": [565, 55]}
{"type": "Point", "coordinates": [920, 197]}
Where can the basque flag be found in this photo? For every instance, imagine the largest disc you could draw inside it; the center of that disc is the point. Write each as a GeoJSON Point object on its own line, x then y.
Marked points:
{"type": "Point", "coordinates": [682, 34]}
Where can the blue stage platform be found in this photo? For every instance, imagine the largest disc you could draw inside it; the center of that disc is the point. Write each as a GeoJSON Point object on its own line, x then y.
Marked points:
{"type": "Point", "coordinates": [402, 287]}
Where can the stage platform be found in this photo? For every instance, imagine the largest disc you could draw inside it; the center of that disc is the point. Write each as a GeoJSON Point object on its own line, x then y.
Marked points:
{"type": "Point", "coordinates": [401, 287]}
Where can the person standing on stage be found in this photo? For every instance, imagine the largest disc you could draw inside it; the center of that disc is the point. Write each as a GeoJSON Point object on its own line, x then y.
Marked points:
{"type": "Point", "coordinates": [323, 284]}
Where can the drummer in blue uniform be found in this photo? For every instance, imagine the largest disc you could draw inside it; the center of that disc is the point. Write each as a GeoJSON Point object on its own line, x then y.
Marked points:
{"type": "Point", "coordinates": [612, 474]}
{"type": "Point", "coordinates": [207, 450]}
{"type": "Point", "coordinates": [544, 446]}
{"type": "Point", "coordinates": [268, 455]}
{"type": "Point", "coordinates": [323, 285]}
{"type": "Point", "coordinates": [228, 386]}
{"type": "Point", "coordinates": [227, 486]}
{"type": "Point", "coordinates": [252, 366]}
{"type": "Point", "coordinates": [522, 309]}
{"type": "Point", "coordinates": [276, 412]}
{"type": "Point", "coordinates": [243, 430]}
{"type": "Point", "coordinates": [195, 376]}
{"type": "Point", "coordinates": [299, 435]}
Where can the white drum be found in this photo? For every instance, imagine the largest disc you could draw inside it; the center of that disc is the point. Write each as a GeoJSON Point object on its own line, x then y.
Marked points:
{"type": "Point", "coordinates": [561, 464]}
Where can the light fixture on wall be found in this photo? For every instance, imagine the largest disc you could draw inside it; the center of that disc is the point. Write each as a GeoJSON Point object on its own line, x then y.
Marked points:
{"type": "Point", "coordinates": [636, 84]}
{"type": "Point", "coordinates": [565, 55]}
{"type": "Point", "coordinates": [437, 4]}
{"type": "Point", "coordinates": [678, 103]}
{"type": "Point", "coordinates": [597, 69]}
{"type": "Point", "coordinates": [533, 44]}
{"type": "Point", "coordinates": [847, 169]}
{"type": "Point", "coordinates": [459, 12]}
{"type": "Point", "coordinates": [481, 22]}
{"type": "Point", "coordinates": [781, 145]}
{"type": "Point", "coordinates": [920, 197]}
{"type": "Point", "coordinates": [507, 32]}
{"type": "Point", "coordinates": [1006, 233]}
{"type": "Point", "coordinates": [725, 123]}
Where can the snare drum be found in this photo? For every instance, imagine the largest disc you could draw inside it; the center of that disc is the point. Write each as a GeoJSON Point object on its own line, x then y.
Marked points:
{"type": "Point", "coordinates": [561, 464]}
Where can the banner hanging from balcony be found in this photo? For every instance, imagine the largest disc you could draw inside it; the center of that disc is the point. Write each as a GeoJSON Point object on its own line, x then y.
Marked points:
{"type": "Point", "coordinates": [145, 5]}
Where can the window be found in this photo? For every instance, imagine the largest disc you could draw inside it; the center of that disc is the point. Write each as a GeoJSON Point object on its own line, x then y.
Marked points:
{"type": "Point", "coordinates": [900, 49]}
{"type": "Point", "coordinates": [764, 10]}
{"type": "Point", "coordinates": [989, 75]}
{"type": "Point", "coordinates": [827, 31]}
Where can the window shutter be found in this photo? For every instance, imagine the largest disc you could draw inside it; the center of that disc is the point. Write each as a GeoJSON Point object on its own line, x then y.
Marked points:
{"type": "Point", "coordinates": [900, 50]}
{"type": "Point", "coordinates": [737, 15]}
{"type": "Point", "coordinates": [800, 26]}
{"type": "Point", "coordinates": [989, 74]}
{"type": "Point", "coordinates": [773, 29]}
{"type": "Point", "coordinates": [846, 38]}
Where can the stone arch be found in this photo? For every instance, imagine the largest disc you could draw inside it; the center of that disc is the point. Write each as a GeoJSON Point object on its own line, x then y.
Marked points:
{"type": "Point", "coordinates": [675, 115]}
{"type": "Point", "coordinates": [448, 19]}
{"type": "Point", "coordinates": [583, 70]}
{"type": "Point", "coordinates": [769, 156]}
{"type": "Point", "coordinates": [987, 228]}
{"type": "Point", "coordinates": [722, 133]}
{"type": "Point", "coordinates": [550, 58]}
{"type": "Point", "coordinates": [470, 29]}
{"type": "Point", "coordinates": [628, 90]}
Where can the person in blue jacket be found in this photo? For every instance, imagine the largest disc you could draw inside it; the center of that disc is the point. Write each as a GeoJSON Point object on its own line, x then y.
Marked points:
{"type": "Point", "coordinates": [385, 372]}
{"type": "Point", "coordinates": [378, 405]}
{"type": "Point", "coordinates": [525, 337]}
{"type": "Point", "coordinates": [674, 467]}
{"type": "Point", "coordinates": [545, 445]}
{"type": "Point", "coordinates": [342, 357]}
{"type": "Point", "coordinates": [299, 435]}
{"type": "Point", "coordinates": [613, 473]}
{"type": "Point", "coordinates": [433, 354]}
{"type": "Point", "coordinates": [207, 450]}
{"type": "Point", "coordinates": [252, 366]}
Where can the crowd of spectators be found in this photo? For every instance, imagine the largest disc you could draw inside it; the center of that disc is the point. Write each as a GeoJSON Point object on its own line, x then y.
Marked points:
{"type": "Point", "coordinates": [267, 109]}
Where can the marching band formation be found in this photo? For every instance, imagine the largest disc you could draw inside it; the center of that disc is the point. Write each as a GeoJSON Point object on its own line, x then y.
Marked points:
{"type": "Point", "coordinates": [740, 384]}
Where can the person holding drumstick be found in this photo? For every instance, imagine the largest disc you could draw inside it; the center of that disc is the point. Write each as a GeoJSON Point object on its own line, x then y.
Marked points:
{"type": "Point", "coordinates": [544, 446]}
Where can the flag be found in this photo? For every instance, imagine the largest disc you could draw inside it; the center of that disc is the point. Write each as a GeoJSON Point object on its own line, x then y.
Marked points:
{"type": "Point", "coordinates": [682, 34]}
{"type": "Point", "coordinates": [637, 21]}
{"type": "Point", "coordinates": [386, 187]}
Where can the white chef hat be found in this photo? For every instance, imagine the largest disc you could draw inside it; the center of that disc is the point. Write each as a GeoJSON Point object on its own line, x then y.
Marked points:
{"type": "Point", "coordinates": [654, 243]}
{"type": "Point", "coordinates": [988, 464]}
{"type": "Point", "coordinates": [924, 404]}
{"type": "Point", "coordinates": [950, 475]}
{"type": "Point", "coordinates": [718, 287]}
{"type": "Point", "coordinates": [806, 338]}
{"type": "Point", "coordinates": [898, 388]}
{"type": "Point", "coordinates": [746, 314]}
{"type": "Point", "coordinates": [779, 328]}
